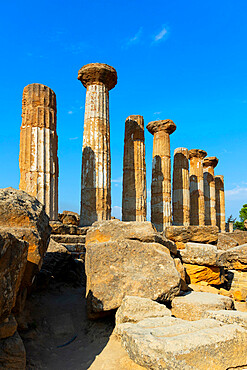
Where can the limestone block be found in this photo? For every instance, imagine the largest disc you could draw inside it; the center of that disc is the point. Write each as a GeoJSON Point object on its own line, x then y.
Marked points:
{"type": "Point", "coordinates": [12, 353]}
{"type": "Point", "coordinates": [170, 343]}
{"type": "Point", "coordinates": [228, 317]}
{"type": "Point", "coordinates": [209, 274]}
{"type": "Point", "coordinates": [24, 216]}
{"type": "Point", "coordinates": [191, 305]}
{"type": "Point", "coordinates": [238, 284]}
{"type": "Point", "coordinates": [234, 258]}
{"type": "Point", "coordinates": [62, 229]}
{"type": "Point", "coordinates": [13, 258]}
{"type": "Point", "coordinates": [200, 254]}
{"type": "Point", "coordinates": [118, 268]}
{"type": "Point", "coordinates": [134, 309]}
{"type": "Point", "coordinates": [198, 234]}
{"type": "Point", "coordinates": [104, 231]}
{"type": "Point", "coordinates": [69, 218]}
{"type": "Point", "coordinates": [226, 241]}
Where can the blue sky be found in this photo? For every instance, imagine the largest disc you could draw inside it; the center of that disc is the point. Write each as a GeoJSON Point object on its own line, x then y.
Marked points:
{"type": "Point", "coordinates": [183, 60]}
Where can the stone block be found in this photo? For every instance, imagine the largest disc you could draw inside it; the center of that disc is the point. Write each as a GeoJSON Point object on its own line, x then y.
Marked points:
{"type": "Point", "coordinates": [12, 353]}
{"type": "Point", "coordinates": [8, 327]}
{"type": "Point", "coordinates": [228, 317]}
{"type": "Point", "coordinates": [196, 274]}
{"type": "Point", "coordinates": [170, 343]}
{"type": "Point", "coordinates": [134, 309]}
{"type": "Point", "coordinates": [199, 254]}
{"type": "Point", "coordinates": [192, 305]}
{"type": "Point", "coordinates": [198, 234]}
{"type": "Point", "coordinates": [118, 268]}
{"type": "Point", "coordinates": [234, 258]}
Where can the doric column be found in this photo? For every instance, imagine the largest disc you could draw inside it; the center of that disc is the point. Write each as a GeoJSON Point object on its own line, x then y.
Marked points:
{"type": "Point", "coordinates": [181, 188]}
{"type": "Point", "coordinates": [197, 208]}
{"type": "Point", "coordinates": [220, 202]}
{"type": "Point", "coordinates": [96, 159]}
{"type": "Point", "coordinates": [209, 165]}
{"type": "Point", "coordinates": [134, 207]}
{"type": "Point", "coordinates": [38, 147]}
{"type": "Point", "coordinates": [161, 173]}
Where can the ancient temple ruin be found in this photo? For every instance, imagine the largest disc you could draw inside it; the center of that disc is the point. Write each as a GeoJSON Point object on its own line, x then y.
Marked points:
{"type": "Point", "coordinates": [38, 147]}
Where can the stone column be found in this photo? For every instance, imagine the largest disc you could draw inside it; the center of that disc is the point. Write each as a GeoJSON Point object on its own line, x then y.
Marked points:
{"type": "Point", "coordinates": [209, 165]}
{"type": "Point", "coordinates": [181, 188]}
{"type": "Point", "coordinates": [161, 173]}
{"type": "Point", "coordinates": [96, 159]}
{"type": "Point", "coordinates": [38, 147]}
{"type": "Point", "coordinates": [134, 204]}
{"type": "Point", "coordinates": [220, 202]}
{"type": "Point", "coordinates": [197, 207]}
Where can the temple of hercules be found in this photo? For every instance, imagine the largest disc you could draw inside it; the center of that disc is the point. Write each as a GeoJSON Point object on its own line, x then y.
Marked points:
{"type": "Point", "coordinates": [209, 164]}
{"type": "Point", "coordinates": [161, 214]}
{"type": "Point", "coordinates": [197, 206]}
{"type": "Point", "coordinates": [98, 79]}
{"type": "Point", "coordinates": [220, 202]}
{"type": "Point", "coordinates": [181, 188]}
{"type": "Point", "coordinates": [134, 198]}
{"type": "Point", "coordinates": [38, 147]}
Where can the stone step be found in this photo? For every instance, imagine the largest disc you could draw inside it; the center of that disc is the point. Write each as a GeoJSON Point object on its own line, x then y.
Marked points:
{"type": "Point", "coordinates": [69, 239]}
{"type": "Point", "coordinates": [78, 248]}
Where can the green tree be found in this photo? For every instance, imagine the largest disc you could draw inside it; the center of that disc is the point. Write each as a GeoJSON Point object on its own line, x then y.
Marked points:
{"type": "Point", "coordinates": [242, 216]}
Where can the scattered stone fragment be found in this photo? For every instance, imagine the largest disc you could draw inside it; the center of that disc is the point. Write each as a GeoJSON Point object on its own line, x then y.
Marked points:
{"type": "Point", "coordinates": [199, 254]}
{"type": "Point", "coordinates": [13, 258]}
{"type": "Point", "coordinates": [228, 317]}
{"type": "Point", "coordinates": [234, 258]}
{"type": "Point", "coordinates": [69, 218]}
{"type": "Point", "coordinates": [226, 241]}
{"type": "Point", "coordinates": [12, 353]}
{"type": "Point", "coordinates": [24, 216]}
{"type": "Point", "coordinates": [209, 274]}
{"type": "Point", "coordinates": [117, 268]}
{"type": "Point", "coordinates": [191, 305]}
{"type": "Point", "coordinates": [170, 343]}
{"type": "Point", "coordinates": [104, 231]}
{"type": "Point", "coordinates": [8, 327]}
{"type": "Point", "coordinates": [134, 309]}
{"type": "Point", "coordinates": [198, 234]}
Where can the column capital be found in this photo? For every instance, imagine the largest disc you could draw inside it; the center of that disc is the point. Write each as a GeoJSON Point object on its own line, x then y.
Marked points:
{"type": "Point", "coordinates": [98, 74]}
{"type": "Point", "coordinates": [210, 162]}
{"type": "Point", "coordinates": [198, 153]}
{"type": "Point", "coordinates": [183, 151]}
{"type": "Point", "coordinates": [166, 125]}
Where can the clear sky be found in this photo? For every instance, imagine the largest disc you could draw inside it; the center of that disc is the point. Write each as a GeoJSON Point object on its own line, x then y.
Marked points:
{"type": "Point", "coordinates": [183, 60]}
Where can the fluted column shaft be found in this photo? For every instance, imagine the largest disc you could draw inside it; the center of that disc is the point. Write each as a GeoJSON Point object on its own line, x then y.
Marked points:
{"type": "Point", "coordinates": [38, 147]}
{"type": "Point", "coordinates": [96, 159]}
{"type": "Point", "coordinates": [209, 190]}
{"type": "Point", "coordinates": [181, 188]}
{"type": "Point", "coordinates": [197, 207]}
{"type": "Point", "coordinates": [220, 202]}
{"type": "Point", "coordinates": [134, 207]}
{"type": "Point", "coordinates": [161, 173]}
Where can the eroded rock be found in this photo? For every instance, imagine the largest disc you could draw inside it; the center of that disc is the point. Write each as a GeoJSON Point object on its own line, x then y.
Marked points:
{"type": "Point", "coordinates": [12, 353]}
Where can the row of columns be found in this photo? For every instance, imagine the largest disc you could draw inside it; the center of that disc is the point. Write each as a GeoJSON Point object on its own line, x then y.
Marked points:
{"type": "Point", "coordinates": [198, 196]}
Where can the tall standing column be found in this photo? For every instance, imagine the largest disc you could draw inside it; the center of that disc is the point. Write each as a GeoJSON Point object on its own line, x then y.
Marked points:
{"type": "Point", "coordinates": [38, 147]}
{"type": "Point", "coordinates": [161, 173]}
{"type": "Point", "coordinates": [96, 159]}
{"type": "Point", "coordinates": [220, 202]}
{"type": "Point", "coordinates": [209, 165]}
{"type": "Point", "coordinates": [134, 204]}
{"type": "Point", "coordinates": [197, 207]}
{"type": "Point", "coordinates": [181, 188]}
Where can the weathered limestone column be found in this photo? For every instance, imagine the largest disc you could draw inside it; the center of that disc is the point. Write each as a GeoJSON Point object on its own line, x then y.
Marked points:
{"type": "Point", "coordinates": [161, 173]}
{"type": "Point", "coordinates": [38, 147]}
{"type": "Point", "coordinates": [96, 159]}
{"type": "Point", "coordinates": [220, 202]}
{"type": "Point", "coordinates": [181, 188]}
{"type": "Point", "coordinates": [197, 207]}
{"type": "Point", "coordinates": [209, 165]}
{"type": "Point", "coordinates": [134, 204]}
